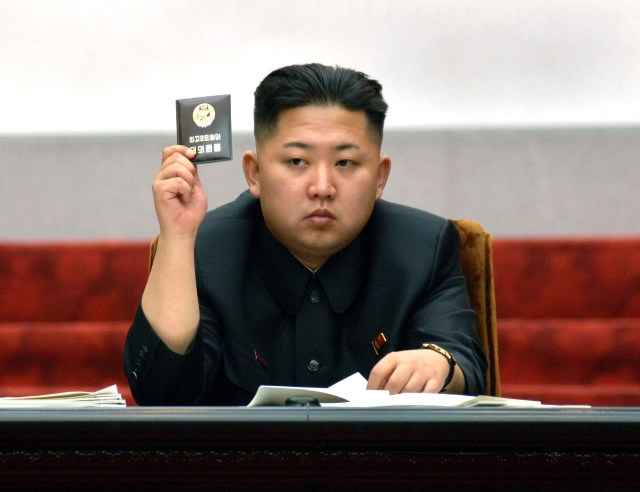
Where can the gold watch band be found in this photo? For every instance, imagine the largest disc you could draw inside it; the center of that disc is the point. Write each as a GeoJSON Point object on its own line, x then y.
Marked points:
{"type": "Point", "coordinates": [448, 356]}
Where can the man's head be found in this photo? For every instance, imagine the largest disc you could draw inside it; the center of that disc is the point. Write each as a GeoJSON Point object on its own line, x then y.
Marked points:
{"type": "Point", "coordinates": [317, 85]}
{"type": "Point", "coordinates": [318, 170]}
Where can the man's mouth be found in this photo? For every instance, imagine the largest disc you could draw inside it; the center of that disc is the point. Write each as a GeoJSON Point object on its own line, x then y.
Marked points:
{"type": "Point", "coordinates": [320, 216]}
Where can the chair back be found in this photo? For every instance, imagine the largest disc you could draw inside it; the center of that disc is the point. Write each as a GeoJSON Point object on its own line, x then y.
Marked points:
{"type": "Point", "coordinates": [476, 260]}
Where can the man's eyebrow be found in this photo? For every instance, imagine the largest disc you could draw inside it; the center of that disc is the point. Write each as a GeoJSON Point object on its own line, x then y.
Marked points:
{"type": "Point", "coordinates": [347, 146]}
{"type": "Point", "coordinates": [298, 145]}
{"type": "Point", "coordinates": [307, 146]}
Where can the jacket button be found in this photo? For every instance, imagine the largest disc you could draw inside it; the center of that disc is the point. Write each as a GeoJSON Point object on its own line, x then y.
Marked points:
{"type": "Point", "coordinates": [314, 297]}
{"type": "Point", "coordinates": [142, 355]}
{"type": "Point", "coordinates": [313, 365]}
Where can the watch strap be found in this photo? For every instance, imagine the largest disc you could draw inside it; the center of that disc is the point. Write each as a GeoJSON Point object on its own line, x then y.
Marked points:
{"type": "Point", "coordinates": [449, 357]}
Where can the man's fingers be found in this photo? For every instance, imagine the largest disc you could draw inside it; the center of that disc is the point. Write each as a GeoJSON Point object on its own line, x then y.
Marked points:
{"type": "Point", "coordinates": [177, 149]}
{"type": "Point", "coordinates": [175, 170]}
{"type": "Point", "coordinates": [415, 384]}
{"type": "Point", "coordinates": [176, 187]}
{"type": "Point", "coordinates": [434, 385]}
{"type": "Point", "coordinates": [381, 372]}
{"type": "Point", "coordinates": [397, 381]}
{"type": "Point", "coordinates": [408, 371]}
{"type": "Point", "coordinates": [174, 160]}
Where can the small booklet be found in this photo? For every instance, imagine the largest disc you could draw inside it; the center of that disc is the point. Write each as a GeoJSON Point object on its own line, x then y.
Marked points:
{"type": "Point", "coordinates": [104, 398]}
{"type": "Point", "coordinates": [352, 392]}
{"type": "Point", "coordinates": [204, 125]}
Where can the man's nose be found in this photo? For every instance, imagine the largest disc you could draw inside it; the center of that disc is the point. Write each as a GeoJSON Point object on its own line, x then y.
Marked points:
{"type": "Point", "coordinates": [322, 183]}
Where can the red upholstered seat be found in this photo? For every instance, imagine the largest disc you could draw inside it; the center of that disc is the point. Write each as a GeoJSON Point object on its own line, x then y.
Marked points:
{"type": "Point", "coordinates": [64, 314]}
{"type": "Point", "coordinates": [51, 357]}
{"type": "Point", "coordinates": [568, 317]}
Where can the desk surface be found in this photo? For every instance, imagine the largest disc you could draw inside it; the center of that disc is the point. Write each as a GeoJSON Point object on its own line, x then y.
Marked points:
{"type": "Point", "coordinates": [284, 447]}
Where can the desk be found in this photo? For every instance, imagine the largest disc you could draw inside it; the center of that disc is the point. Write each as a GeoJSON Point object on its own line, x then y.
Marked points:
{"type": "Point", "coordinates": [356, 449]}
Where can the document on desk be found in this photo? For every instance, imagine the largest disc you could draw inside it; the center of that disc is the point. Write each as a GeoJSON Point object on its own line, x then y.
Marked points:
{"type": "Point", "coordinates": [104, 398]}
{"type": "Point", "coordinates": [352, 392]}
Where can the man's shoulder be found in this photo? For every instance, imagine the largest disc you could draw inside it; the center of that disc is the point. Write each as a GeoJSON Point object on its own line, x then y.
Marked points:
{"type": "Point", "coordinates": [230, 227]}
{"type": "Point", "coordinates": [406, 242]}
{"type": "Point", "coordinates": [408, 233]}
{"type": "Point", "coordinates": [397, 215]}
{"type": "Point", "coordinates": [245, 208]}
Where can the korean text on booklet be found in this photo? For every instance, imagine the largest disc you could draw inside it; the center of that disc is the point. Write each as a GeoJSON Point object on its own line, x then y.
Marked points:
{"type": "Point", "coordinates": [204, 125]}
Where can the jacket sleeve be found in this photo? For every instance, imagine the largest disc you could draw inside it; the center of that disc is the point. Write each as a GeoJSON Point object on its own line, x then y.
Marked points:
{"type": "Point", "coordinates": [443, 313]}
{"type": "Point", "coordinates": [157, 375]}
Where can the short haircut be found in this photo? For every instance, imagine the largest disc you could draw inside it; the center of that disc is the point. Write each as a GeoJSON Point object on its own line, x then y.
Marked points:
{"type": "Point", "coordinates": [318, 85]}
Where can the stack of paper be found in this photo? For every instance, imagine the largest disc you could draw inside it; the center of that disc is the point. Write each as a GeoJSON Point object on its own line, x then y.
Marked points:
{"type": "Point", "coordinates": [104, 398]}
{"type": "Point", "coordinates": [352, 392]}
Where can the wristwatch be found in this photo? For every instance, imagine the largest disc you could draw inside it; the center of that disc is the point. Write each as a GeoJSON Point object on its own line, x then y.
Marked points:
{"type": "Point", "coordinates": [447, 354]}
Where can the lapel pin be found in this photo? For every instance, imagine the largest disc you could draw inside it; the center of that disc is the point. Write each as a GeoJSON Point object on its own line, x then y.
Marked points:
{"type": "Point", "coordinates": [378, 342]}
{"type": "Point", "coordinates": [260, 359]}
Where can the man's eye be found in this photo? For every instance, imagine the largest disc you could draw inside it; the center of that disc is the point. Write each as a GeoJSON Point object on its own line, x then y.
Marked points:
{"type": "Point", "coordinates": [296, 162]}
{"type": "Point", "coordinates": [344, 163]}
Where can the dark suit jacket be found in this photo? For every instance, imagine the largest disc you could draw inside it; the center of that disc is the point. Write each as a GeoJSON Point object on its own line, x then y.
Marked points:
{"type": "Point", "coordinates": [266, 319]}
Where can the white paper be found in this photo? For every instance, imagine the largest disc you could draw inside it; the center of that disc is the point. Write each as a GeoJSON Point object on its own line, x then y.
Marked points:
{"type": "Point", "coordinates": [352, 392]}
{"type": "Point", "coordinates": [106, 397]}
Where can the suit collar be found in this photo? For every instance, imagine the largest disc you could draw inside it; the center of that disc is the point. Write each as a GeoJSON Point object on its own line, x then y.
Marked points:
{"type": "Point", "coordinates": [287, 278]}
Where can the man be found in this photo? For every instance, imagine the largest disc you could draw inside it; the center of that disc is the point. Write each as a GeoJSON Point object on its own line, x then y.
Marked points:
{"type": "Point", "coordinates": [308, 277]}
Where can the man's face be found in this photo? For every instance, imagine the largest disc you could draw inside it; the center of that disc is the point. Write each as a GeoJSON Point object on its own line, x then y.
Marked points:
{"type": "Point", "coordinates": [318, 176]}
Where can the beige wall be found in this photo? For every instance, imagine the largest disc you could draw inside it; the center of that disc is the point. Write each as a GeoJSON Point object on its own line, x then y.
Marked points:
{"type": "Point", "coordinates": [538, 182]}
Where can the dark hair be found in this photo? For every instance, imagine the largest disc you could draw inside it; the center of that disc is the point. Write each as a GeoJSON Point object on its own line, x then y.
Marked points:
{"type": "Point", "coordinates": [320, 85]}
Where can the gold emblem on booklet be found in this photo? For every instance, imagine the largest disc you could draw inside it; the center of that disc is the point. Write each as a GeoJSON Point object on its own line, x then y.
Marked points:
{"type": "Point", "coordinates": [203, 115]}
{"type": "Point", "coordinates": [204, 125]}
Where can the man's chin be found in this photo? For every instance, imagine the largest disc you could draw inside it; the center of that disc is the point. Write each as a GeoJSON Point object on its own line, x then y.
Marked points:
{"type": "Point", "coordinates": [324, 248]}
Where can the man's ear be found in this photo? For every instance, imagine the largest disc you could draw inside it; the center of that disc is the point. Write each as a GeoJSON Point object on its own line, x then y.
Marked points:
{"type": "Point", "coordinates": [383, 174]}
{"type": "Point", "coordinates": [251, 172]}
